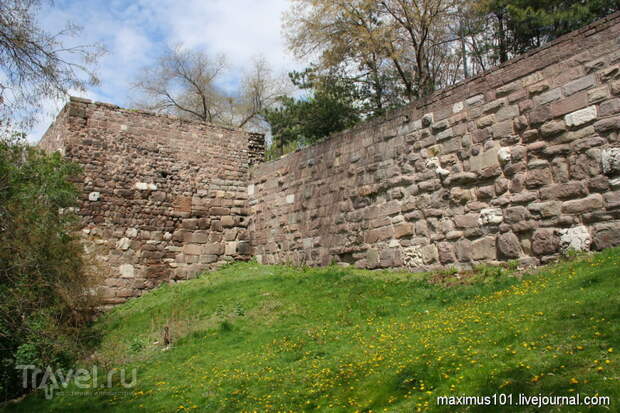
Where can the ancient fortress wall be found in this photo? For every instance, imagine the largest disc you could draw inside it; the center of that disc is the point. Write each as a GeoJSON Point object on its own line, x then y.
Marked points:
{"type": "Point", "coordinates": [163, 198]}
{"type": "Point", "coordinates": [520, 163]}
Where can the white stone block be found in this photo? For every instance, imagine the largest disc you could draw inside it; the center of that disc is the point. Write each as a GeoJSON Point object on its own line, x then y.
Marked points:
{"type": "Point", "coordinates": [581, 117]}
{"type": "Point", "coordinates": [123, 244]}
{"type": "Point", "coordinates": [290, 199]}
{"type": "Point", "coordinates": [610, 158]}
{"type": "Point", "coordinates": [143, 186]}
{"type": "Point", "coordinates": [231, 248]}
{"type": "Point", "coordinates": [251, 189]}
{"type": "Point", "coordinates": [576, 239]}
{"type": "Point", "coordinates": [94, 196]}
{"type": "Point", "coordinates": [474, 100]}
{"type": "Point", "coordinates": [491, 216]}
{"type": "Point", "coordinates": [126, 271]}
{"type": "Point", "coordinates": [504, 155]}
{"type": "Point", "coordinates": [457, 107]}
{"type": "Point", "coordinates": [131, 232]}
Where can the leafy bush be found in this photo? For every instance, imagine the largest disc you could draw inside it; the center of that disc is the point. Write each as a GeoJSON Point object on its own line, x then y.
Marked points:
{"type": "Point", "coordinates": [43, 279]}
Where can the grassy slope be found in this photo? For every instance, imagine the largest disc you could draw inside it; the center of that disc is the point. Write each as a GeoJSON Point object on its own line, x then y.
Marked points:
{"type": "Point", "coordinates": [263, 338]}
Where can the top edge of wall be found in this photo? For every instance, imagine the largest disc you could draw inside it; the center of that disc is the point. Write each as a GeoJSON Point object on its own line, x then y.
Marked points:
{"type": "Point", "coordinates": [111, 106]}
{"type": "Point", "coordinates": [438, 95]}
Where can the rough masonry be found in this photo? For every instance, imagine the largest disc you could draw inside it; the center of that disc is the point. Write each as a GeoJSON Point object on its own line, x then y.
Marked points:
{"type": "Point", "coordinates": [520, 163]}
{"type": "Point", "coordinates": [162, 198]}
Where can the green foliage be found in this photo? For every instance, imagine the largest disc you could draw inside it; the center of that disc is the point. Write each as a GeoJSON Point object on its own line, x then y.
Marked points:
{"type": "Point", "coordinates": [137, 345]}
{"type": "Point", "coordinates": [340, 339]}
{"type": "Point", "coordinates": [329, 107]}
{"type": "Point", "coordinates": [527, 24]}
{"type": "Point", "coordinates": [42, 276]}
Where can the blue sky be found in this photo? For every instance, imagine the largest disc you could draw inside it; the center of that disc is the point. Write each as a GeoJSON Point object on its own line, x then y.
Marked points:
{"type": "Point", "coordinates": [136, 32]}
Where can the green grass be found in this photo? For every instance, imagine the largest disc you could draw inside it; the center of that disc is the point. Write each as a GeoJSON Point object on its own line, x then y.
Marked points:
{"type": "Point", "coordinates": [276, 338]}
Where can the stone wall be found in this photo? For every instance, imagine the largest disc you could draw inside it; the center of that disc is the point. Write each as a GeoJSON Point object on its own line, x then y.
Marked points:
{"type": "Point", "coordinates": [521, 163]}
{"type": "Point", "coordinates": [162, 198]}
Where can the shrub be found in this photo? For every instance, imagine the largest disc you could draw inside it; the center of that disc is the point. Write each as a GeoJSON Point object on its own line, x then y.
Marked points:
{"type": "Point", "coordinates": [43, 279]}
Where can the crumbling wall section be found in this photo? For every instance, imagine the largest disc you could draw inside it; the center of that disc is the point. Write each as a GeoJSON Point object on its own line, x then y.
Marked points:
{"type": "Point", "coordinates": [521, 163]}
{"type": "Point", "coordinates": [163, 198]}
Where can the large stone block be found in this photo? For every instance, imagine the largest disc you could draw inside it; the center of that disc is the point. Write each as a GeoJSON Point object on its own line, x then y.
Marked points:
{"type": "Point", "coordinates": [545, 242]}
{"type": "Point", "coordinates": [564, 191]}
{"type": "Point", "coordinates": [484, 249]}
{"type": "Point", "coordinates": [126, 271]}
{"type": "Point", "coordinates": [575, 239]}
{"type": "Point", "coordinates": [491, 216]}
{"type": "Point", "coordinates": [509, 246]}
{"type": "Point", "coordinates": [577, 85]}
{"type": "Point", "coordinates": [445, 251]}
{"type": "Point", "coordinates": [581, 117]}
{"type": "Point", "coordinates": [610, 159]}
{"type": "Point", "coordinates": [463, 250]}
{"type": "Point", "coordinates": [606, 235]}
{"type": "Point", "coordinates": [403, 229]}
{"type": "Point", "coordinates": [486, 159]}
{"type": "Point", "coordinates": [610, 107]}
{"type": "Point", "coordinates": [579, 206]}
{"type": "Point", "coordinates": [516, 214]}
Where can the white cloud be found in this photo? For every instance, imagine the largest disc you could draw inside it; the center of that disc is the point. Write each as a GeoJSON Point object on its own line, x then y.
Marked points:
{"type": "Point", "coordinates": [239, 28]}
{"type": "Point", "coordinates": [136, 32]}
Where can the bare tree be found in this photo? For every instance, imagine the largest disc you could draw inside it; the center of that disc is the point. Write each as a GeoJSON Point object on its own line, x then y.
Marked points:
{"type": "Point", "coordinates": [260, 90]}
{"type": "Point", "coordinates": [185, 83]}
{"type": "Point", "coordinates": [35, 64]}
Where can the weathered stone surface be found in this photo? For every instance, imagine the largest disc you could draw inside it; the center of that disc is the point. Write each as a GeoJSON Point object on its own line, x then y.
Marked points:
{"type": "Point", "coordinates": [579, 84]}
{"type": "Point", "coordinates": [509, 246]}
{"type": "Point", "coordinates": [612, 199]}
{"type": "Point", "coordinates": [372, 258]}
{"type": "Point", "coordinates": [516, 214]}
{"type": "Point", "coordinates": [581, 117]}
{"type": "Point", "coordinates": [464, 250]}
{"type": "Point", "coordinates": [564, 191]}
{"type": "Point", "coordinates": [580, 206]}
{"type": "Point", "coordinates": [610, 159]}
{"type": "Point", "coordinates": [503, 129]}
{"type": "Point", "coordinates": [546, 209]}
{"type": "Point", "coordinates": [126, 271]}
{"type": "Point", "coordinates": [537, 177]}
{"type": "Point", "coordinates": [545, 242]}
{"type": "Point", "coordinates": [467, 221]}
{"type": "Point", "coordinates": [484, 249]}
{"type": "Point", "coordinates": [575, 239]}
{"type": "Point", "coordinates": [403, 229]}
{"type": "Point", "coordinates": [610, 107]}
{"type": "Point", "coordinates": [445, 252]}
{"type": "Point", "coordinates": [230, 248]}
{"type": "Point", "coordinates": [606, 235]}
{"type": "Point", "coordinates": [123, 244]}
{"type": "Point", "coordinates": [501, 160]}
{"type": "Point", "coordinates": [462, 178]}
{"type": "Point", "coordinates": [491, 216]}
{"type": "Point", "coordinates": [549, 96]}
{"type": "Point", "coordinates": [192, 249]}
{"type": "Point", "coordinates": [608, 125]}
{"type": "Point", "coordinates": [485, 159]}
{"type": "Point", "coordinates": [552, 128]}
